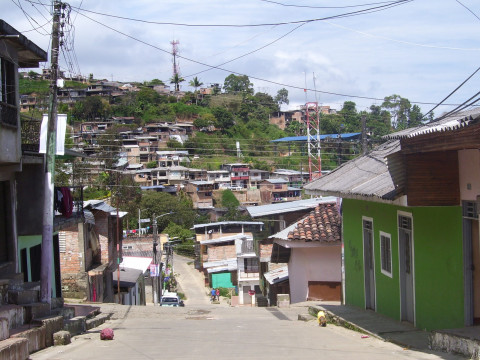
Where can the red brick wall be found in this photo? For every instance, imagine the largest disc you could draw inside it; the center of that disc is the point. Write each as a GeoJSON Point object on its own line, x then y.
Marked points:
{"type": "Point", "coordinates": [220, 253]}
{"type": "Point", "coordinates": [71, 260]}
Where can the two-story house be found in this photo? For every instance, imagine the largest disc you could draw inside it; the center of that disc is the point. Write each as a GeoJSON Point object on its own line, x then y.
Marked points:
{"type": "Point", "coordinates": [225, 253]}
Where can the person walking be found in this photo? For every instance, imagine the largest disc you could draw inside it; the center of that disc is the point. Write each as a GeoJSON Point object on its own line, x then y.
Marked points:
{"type": "Point", "coordinates": [217, 293]}
{"type": "Point", "coordinates": [213, 293]}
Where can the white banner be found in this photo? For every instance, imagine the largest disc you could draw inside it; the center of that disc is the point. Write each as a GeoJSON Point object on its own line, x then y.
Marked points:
{"type": "Point", "coordinates": [61, 129]}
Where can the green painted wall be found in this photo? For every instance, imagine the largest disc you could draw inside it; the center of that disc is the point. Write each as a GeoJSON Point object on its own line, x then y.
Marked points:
{"type": "Point", "coordinates": [438, 261]}
{"type": "Point", "coordinates": [223, 280]}
{"type": "Point", "coordinates": [26, 242]}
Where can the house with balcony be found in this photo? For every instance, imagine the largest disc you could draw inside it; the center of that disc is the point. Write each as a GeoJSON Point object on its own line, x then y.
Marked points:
{"type": "Point", "coordinates": [225, 253]}
{"type": "Point", "coordinates": [197, 174]}
{"type": "Point", "coordinates": [239, 174]}
{"type": "Point", "coordinates": [295, 178]}
{"type": "Point", "coordinates": [169, 158]}
{"type": "Point", "coordinates": [257, 176]}
{"type": "Point", "coordinates": [221, 178]}
{"type": "Point", "coordinates": [277, 190]}
{"type": "Point", "coordinates": [16, 51]}
{"type": "Point", "coordinates": [201, 193]}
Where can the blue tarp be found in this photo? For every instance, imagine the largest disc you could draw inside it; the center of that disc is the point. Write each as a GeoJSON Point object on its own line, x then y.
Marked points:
{"type": "Point", "coordinates": [347, 136]}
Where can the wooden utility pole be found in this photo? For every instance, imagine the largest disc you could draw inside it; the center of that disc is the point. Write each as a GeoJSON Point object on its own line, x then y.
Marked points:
{"type": "Point", "coordinates": [47, 231]}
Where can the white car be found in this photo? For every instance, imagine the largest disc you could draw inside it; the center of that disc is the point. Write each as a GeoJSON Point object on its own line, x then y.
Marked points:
{"type": "Point", "coordinates": [235, 188]}
{"type": "Point", "coordinates": [171, 299]}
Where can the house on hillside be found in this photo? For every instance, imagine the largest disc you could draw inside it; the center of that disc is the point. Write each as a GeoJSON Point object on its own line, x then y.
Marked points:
{"type": "Point", "coordinates": [277, 190]}
{"type": "Point", "coordinates": [411, 223]}
{"type": "Point", "coordinates": [201, 193]}
{"type": "Point", "coordinates": [225, 252]}
{"type": "Point", "coordinates": [88, 253]}
{"type": "Point", "coordinates": [312, 248]}
{"type": "Point", "coordinates": [276, 217]}
{"type": "Point", "coordinates": [239, 174]}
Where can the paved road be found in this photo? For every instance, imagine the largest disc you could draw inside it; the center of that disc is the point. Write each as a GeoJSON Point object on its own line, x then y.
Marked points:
{"type": "Point", "coordinates": [191, 282]}
{"type": "Point", "coordinates": [202, 330]}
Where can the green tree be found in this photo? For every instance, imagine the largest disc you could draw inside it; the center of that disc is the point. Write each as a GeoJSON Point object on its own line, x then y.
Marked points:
{"type": "Point", "coordinates": [178, 231]}
{"type": "Point", "coordinates": [230, 202]}
{"type": "Point", "coordinates": [399, 108]}
{"type": "Point", "coordinates": [176, 79]}
{"type": "Point", "coordinates": [223, 118]}
{"type": "Point", "coordinates": [156, 82]}
{"type": "Point", "coordinates": [195, 83]}
{"type": "Point", "coordinates": [351, 117]}
{"type": "Point", "coordinates": [159, 203]}
{"type": "Point", "coordinates": [282, 97]}
{"type": "Point", "coordinates": [238, 84]}
{"type": "Point", "coordinates": [204, 121]}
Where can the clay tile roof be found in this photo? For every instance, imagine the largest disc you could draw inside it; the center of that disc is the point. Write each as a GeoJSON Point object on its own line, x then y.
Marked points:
{"type": "Point", "coordinates": [322, 224]}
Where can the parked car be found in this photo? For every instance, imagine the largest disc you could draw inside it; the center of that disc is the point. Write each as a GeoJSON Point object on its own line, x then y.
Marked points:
{"type": "Point", "coordinates": [235, 188]}
{"type": "Point", "coordinates": [171, 299]}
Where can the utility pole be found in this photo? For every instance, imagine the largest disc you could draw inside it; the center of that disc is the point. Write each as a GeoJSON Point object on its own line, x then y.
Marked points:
{"type": "Point", "coordinates": [364, 134]}
{"type": "Point", "coordinates": [47, 226]}
{"type": "Point", "coordinates": [154, 281]}
{"type": "Point", "coordinates": [118, 243]}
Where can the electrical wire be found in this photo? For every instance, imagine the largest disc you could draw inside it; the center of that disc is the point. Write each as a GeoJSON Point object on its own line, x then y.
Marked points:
{"type": "Point", "coordinates": [347, 14]}
{"type": "Point", "coordinates": [466, 7]}
{"type": "Point", "coordinates": [250, 76]}
{"type": "Point", "coordinates": [458, 87]}
{"type": "Point", "coordinates": [326, 7]}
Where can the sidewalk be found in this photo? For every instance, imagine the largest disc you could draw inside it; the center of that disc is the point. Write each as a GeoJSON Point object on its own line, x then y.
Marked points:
{"type": "Point", "coordinates": [402, 333]}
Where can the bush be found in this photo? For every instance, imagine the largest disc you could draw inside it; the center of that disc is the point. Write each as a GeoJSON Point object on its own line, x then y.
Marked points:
{"type": "Point", "coordinates": [225, 292]}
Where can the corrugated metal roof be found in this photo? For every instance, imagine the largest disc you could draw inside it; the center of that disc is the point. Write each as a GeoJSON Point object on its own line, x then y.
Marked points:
{"type": "Point", "coordinates": [286, 207]}
{"type": "Point", "coordinates": [448, 123]}
{"type": "Point", "coordinates": [276, 181]}
{"type": "Point", "coordinates": [277, 275]}
{"type": "Point", "coordinates": [89, 218]}
{"type": "Point", "coordinates": [199, 226]}
{"type": "Point", "coordinates": [225, 239]}
{"type": "Point", "coordinates": [367, 175]}
{"type": "Point", "coordinates": [201, 182]}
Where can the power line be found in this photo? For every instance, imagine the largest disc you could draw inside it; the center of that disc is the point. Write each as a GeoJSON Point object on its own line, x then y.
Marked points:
{"type": "Point", "coordinates": [326, 7]}
{"type": "Point", "coordinates": [347, 14]}
{"type": "Point", "coordinates": [466, 7]}
{"type": "Point", "coordinates": [458, 87]}
{"type": "Point", "coordinates": [241, 74]}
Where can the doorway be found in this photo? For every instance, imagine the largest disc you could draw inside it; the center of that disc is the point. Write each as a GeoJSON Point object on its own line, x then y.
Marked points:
{"type": "Point", "coordinates": [471, 253]}
{"type": "Point", "coordinates": [369, 264]}
{"type": "Point", "coordinates": [405, 248]}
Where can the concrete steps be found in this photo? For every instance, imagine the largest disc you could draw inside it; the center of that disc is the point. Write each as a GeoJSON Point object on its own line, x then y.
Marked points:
{"type": "Point", "coordinates": [459, 343]}
{"type": "Point", "coordinates": [27, 325]}
{"type": "Point", "coordinates": [14, 349]}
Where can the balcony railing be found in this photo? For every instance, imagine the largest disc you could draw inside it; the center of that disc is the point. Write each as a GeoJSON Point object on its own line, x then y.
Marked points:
{"type": "Point", "coordinates": [248, 247]}
{"type": "Point", "coordinates": [8, 114]}
{"type": "Point", "coordinates": [30, 132]}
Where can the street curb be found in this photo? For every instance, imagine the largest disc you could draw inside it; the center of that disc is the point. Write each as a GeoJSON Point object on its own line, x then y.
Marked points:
{"type": "Point", "coordinates": [337, 320]}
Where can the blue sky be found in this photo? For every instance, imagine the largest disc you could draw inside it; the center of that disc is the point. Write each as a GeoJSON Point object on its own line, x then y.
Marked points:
{"type": "Point", "coordinates": [421, 50]}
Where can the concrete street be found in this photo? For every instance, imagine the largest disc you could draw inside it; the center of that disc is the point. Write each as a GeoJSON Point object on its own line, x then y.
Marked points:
{"type": "Point", "coordinates": [202, 330]}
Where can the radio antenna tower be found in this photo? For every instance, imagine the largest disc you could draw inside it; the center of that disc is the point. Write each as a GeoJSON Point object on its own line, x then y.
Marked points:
{"type": "Point", "coordinates": [176, 70]}
{"type": "Point", "coordinates": [313, 140]}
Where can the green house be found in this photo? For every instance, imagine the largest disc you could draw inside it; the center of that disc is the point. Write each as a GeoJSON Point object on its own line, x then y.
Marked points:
{"type": "Point", "coordinates": [410, 212]}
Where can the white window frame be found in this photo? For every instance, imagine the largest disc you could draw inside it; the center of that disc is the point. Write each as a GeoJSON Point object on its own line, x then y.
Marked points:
{"type": "Point", "coordinates": [384, 235]}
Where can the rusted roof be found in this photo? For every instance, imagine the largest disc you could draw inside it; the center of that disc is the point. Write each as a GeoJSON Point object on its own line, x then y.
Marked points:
{"type": "Point", "coordinates": [322, 224]}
